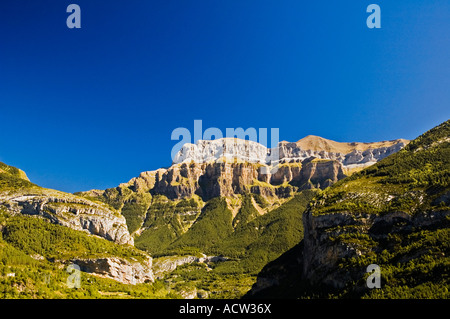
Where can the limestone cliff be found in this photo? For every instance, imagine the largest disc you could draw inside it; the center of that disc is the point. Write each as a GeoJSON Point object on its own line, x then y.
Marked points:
{"type": "Point", "coordinates": [118, 269]}
{"type": "Point", "coordinates": [209, 180]}
{"type": "Point", "coordinates": [224, 149]}
{"type": "Point", "coordinates": [230, 166]}
{"type": "Point", "coordinates": [71, 211]}
{"type": "Point", "coordinates": [19, 196]}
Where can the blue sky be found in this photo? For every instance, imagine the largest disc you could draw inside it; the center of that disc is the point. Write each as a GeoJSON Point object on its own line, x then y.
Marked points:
{"type": "Point", "coordinates": [93, 107]}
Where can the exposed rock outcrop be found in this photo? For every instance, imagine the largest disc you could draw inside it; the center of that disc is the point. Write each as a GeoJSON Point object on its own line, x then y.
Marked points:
{"type": "Point", "coordinates": [164, 265]}
{"type": "Point", "coordinates": [118, 269]}
{"type": "Point", "coordinates": [311, 146]}
{"type": "Point", "coordinates": [71, 211]}
{"type": "Point", "coordinates": [224, 148]}
{"type": "Point", "coordinates": [229, 166]}
{"type": "Point", "coordinates": [322, 252]}
{"type": "Point", "coordinates": [209, 180]}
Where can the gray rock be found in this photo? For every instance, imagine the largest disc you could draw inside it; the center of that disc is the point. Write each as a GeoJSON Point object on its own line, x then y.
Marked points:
{"type": "Point", "coordinates": [118, 269]}
{"type": "Point", "coordinates": [71, 211]}
{"type": "Point", "coordinates": [321, 253]}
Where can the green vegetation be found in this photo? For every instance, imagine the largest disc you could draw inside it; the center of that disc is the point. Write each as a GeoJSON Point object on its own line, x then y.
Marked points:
{"type": "Point", "coordinates": [13, 171]}
{"type": "Point", "coordinates": [248, 245]}
{"type": "Point", "coordinates": [246, 213]}
{"type": "Point", "coordinates": [414, 257]}
{"type": "Point", "coordinates": [414, 260]}
{"type": "Point", "coordinates": [211, 227]}
{"type": "Point", "coordinates": [23, 277]}
{"type": "Point", "coordinates": [45, 275]}
{"type": "Point", "coordinates": [209, 283]}
{"type": "Point", "coordinates": [115, 197]}
{"type": "Point", "coordinates": [9, 182]}
{"type": "Point", "coordinates": [261, 201]}
{"type": "Point", "coordinates": [33, 235]}
{"type": "Point", "coordinates": [166, 221]}
{"type": "Point", "coordinates": [411, 180]}
{"type": "Point", "coordinates": [134, 210]}
{"type": "Point", "coordinates": [253, 242]}
{"type": "Point", "coordinates": [415, 265]}
{"type": "Point", "coordinates": [249, 239]}
{"type": "Point", "coordinates": [265, 238]}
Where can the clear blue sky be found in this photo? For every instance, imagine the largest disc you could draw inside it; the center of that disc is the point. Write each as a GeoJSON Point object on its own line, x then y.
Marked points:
{"type": "Point", "coordinates": [93, 107]}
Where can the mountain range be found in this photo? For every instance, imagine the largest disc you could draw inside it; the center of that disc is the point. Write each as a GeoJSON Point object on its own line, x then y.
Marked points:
{"type": "Point", "coordinates": [231, 169]}
{"type": "Point", "coordinates": [229, 219]}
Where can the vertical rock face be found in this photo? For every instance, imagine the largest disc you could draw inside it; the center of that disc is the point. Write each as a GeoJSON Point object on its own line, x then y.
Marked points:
{"type": "Point", "coordinates": [224, 179]}
{"type": "Point", "coordinates": [321, 173]}
{"type": "Point", "coordinates": [230, 166]}
{"type": "Point", "coordinates": [322, 253]}
{"type": "Point", "coordinates": [310, 146]}
{"type": "Point", "coordinates": [211, 151]}
{"type": "Point", "coordinates": [210, 180]}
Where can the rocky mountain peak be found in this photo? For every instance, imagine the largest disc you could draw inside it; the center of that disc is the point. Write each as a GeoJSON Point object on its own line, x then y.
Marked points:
{"type": "Point", "coordinates": [317, 143]}
{"type": "Point", "coordinates": [230, 166]}
{"type": "Point", "coordinates": [222, 149]}
{"type": "Point", "coordinates": [234, 149]}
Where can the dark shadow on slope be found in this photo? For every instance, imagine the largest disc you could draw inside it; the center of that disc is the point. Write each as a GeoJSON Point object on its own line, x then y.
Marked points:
{"type": "Point", "coordinates": [281, 278]}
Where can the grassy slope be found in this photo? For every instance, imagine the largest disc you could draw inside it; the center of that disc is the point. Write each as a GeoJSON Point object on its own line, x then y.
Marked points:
{"type": "Point", "coordinates": [34, 235]}
{"type": "Point", "coordinates": [12, 178]}
{"type": "Point", "coordinates": [254, 237]}
{"type": "Point", "coordinates": [411, 180]}
{"type": "Point", "coordinates": [212, 226]}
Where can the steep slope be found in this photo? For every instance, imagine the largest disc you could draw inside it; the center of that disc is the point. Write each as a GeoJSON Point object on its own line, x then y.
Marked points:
{"type": "Point", "coordinates": [237, 250]}
{"type": "Point", "coordinates": [266, 237]}
{"type": "Point", "coordinates": [232, 168]}
{"type": "Point", "coordinates": [19, 195]}
{"type": "Point", "coordinates": [57, 229]}
{"type": "Point", "coordinates": [35, 256]}
{"type": "Point", "coordinates": [395, 214]}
